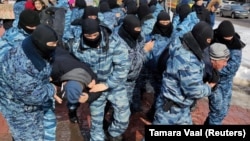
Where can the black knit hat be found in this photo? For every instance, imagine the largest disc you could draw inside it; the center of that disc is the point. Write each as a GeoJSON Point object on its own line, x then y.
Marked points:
{"type": "Point", "coordinates": [163, 16]}
{"type": "Point", "coordinates": [226, 29]}
{"type": "Point", "coordinates": [29, 18]}
{"type": "Point", "coordinates": [90, 26]}
{"type": "Point", "coordinates": [183, 10]}
{"type": "Point", "coordinates": [104, 7]}
{"type": "Point", "coordinates": [143, 10]}
{"type": "Point", "coordinates": [90, 11]}
{"type": "Point", "coordinates": [80, 3]}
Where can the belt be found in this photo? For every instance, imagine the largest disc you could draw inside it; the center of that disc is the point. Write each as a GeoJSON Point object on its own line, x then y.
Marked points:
{"type": "Point", "coordinates": [32, 108]}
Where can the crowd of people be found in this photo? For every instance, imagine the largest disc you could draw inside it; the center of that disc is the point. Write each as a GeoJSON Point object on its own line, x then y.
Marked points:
{"type": "Point", "coordinates": [108, 54]}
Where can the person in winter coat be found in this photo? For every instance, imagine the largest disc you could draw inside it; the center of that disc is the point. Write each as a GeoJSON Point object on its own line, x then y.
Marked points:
{"type": "Point", "coordinates": [202, 13]}
{"type": "Point", "coordinates": [184, 20]}
{"type": "Point", "coordinates": [219, 102]}
{"type": "Point", "coordinates": [108, 58]}
{"type": "Point", "coordinates": [74, 12]}
{"type": "Point", "coordinates": [129, 33]}
{"type": "Point", "coordinates": [27, 22]}
{"type": "Point", "coordinates": [117, 9]}
{"type": "Point", "coordinates": [182, 79]}
{"type": "Point", "coordinates": [74, 78]}
{"type": "Point", "coordinates": [212, 6]}
{"type": "Point", "coordinates": [147, 20]}
{"type": "Point", "coordinates": [155, 64]}
{"type": "Point", "coordinates": [26, 92]}
{"type": "Point", "coordinates": [106, 16]}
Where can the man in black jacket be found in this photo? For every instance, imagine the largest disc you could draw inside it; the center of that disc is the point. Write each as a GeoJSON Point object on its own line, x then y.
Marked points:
{"type": "Point", "coordinates": [75, 79]}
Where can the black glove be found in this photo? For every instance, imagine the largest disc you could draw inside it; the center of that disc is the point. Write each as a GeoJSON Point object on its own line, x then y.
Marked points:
{"type": "Point", "coordinates": [215, 78]}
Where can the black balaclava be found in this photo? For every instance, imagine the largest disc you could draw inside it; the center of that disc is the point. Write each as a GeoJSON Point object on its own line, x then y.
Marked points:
{"type": "Point", "coordinates": [129, 23]}
{"type": "Point", "coordinates": [40, 36]}
{"type": "Point", "coordinates": [131, 7]}
{"type": "Point", "coordinates": [164, 30]}
{"type": "Point", "coordinates": [104, 7]}
{"type": "Point", "coordinates": [113, 4]}
{"type": "Point", "coordinates": [143, 11]}
{"type": "Point", "coordinates": [201, 32]}
{"type": "Point", "coordinates": [28, 18]}
{"type": "Point", "coordinates": [80, 3]}
{"type": "Point", "coordinates": [90, 26]}
{"type": "Point", "coordinates": [183, 11]}
{"type": "Point", "coordinates": [226, 29]}
{"type": "Point", "coordinates": [90, 11]}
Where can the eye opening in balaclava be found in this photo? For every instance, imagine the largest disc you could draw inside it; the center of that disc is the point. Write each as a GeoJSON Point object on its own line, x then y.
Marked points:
{"type": "Point", "coordinates": [130, 22]}
{"type": "Point", "coordinates": [40, 37]}
{"type": "Point", "coordinates": [90, 26]}
{"type": "Point", "coordinates": [201, 32]}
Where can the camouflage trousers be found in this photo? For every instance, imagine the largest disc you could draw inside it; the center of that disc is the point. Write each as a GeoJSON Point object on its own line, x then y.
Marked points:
{"type": "Point", "coordinates": [175, 115]}
{"type": "Point", "coordinates": [120, 103]}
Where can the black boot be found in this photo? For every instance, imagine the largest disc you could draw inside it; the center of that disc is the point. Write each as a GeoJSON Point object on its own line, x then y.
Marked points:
{"type": "Point", "coordinates": [73, 116]}
{"type": "Point", "coordinates": [118, 138]}
{"type": "Point", "coordinates": [111, 138]}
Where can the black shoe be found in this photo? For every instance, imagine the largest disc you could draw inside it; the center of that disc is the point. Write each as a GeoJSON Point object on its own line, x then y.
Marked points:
{"type": "Point", "coordinates": [111, 138]}
{"type": "Point", "coordinates": [73, 116]}
{"type": "Point", "coordinates": [118, 138]}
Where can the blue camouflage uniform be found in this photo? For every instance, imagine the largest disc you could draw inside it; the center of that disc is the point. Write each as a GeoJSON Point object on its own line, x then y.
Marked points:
{"type": "Point", "coordinates": [18, 8]}
{"type": "Point", "coordinates": [182, 83]}
{"type": "Point", "coordinates": [12, 38]}
{"type": "Point", "coordinates": [147, 26]}
{"type": "Point", "coordinates": [158, 9]}
{"type": "Point", "coordinates": [71, 31]}
{"type": "Point", "coordinates": [219, 101]}
{"type": "Point", "coordinates": [180, 28]}
{"type": "Point", "coordinates": [137, 57]}
{"type": "Point", "coordinates": [108, 18]}
{"type": "Point", "coordinates": [118, 10]}
{"type": "Point", "coordinates": [161, 43]}
{"type": "Point", "coordinates": [111, 64]}
{"type": "Point", "coordinates": [25, 91]}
